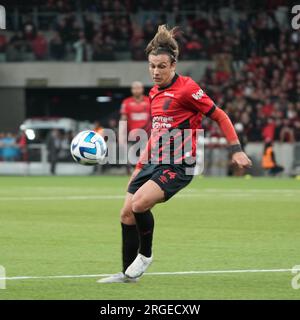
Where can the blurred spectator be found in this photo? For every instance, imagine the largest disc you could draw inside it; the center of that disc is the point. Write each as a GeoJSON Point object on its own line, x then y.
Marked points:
{"type": "Point", "coordinates": [149, 30]}
{"type": "Point", "coordinates": [53, 143]}
{"type": "Point", "coordinates": [137, 44]}
{"type": "Point", "coordinates": [89, 27]}
{"type": "Point", "coordinates": [268, 131]}
{"type": "Point", "coordinates": [81, 48]}
{"type": "Point", "coordinates": [61, 6]}
{"type": "Point", "coordinates": [3, 43]}
{"type": "Point", "coordinates": [268, 160]}
{"type": "Point", "coordinates": [64, 152]}
{"type": "Point", "coordinates": [98, 127]}
{"type": "Point", "coordinates": [113, 125]}
{"type": "Point", "coordinates": [193, 47]}
{"type": "Point", "coordinates": [1, 145]}
{"type": "Point", "coordinates": [10, 150]}
{"type": "Point", "coordinates": [287, 132]}
{"type": "Point", "coordinates": [29, 31]}
{"type": "Point", "coordinates": [39, 46]}
{"type": "Point", "coordinates": [57, 47]}
{"type": "Point", "coordinates": [97, 47]}
{"type": "Point", "coordinates": [17, 45]}
{"type": "Point", "coordinates": [267, 109]}
{"type": "Point", "coordinates": [22, 143]}
{"type": "Point", "coordinates": [104, 49]}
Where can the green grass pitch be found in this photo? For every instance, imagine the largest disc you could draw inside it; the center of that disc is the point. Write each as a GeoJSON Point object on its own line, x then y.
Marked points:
{"type": "Point", "coordinates": [51, 226]}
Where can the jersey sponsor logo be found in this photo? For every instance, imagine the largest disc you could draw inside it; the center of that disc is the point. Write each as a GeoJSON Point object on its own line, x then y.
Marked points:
{"type": "Point", "coordinates": [133, 103]}
{"type": "Point", "coordinates": [163, 119]}
{"type": "Point", "coordinates": [160, 122]}
{"type": "Point", "coordinates": [198, 95]}
{"type": "Point", "coordinates": [139, 116]}
{"type": "Point", "coordinates": [158, 125]}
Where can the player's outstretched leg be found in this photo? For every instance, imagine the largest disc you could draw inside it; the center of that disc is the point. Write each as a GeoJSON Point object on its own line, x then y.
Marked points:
{"type": "Point", "coordinates": [130, 243]}
{"type": "Point", "coordinates": [145, 223]}
{"type": "Point", "coordinates": [143, 200]}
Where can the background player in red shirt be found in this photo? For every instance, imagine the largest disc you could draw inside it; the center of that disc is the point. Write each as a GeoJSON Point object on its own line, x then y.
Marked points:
{"type": "Point", "coordinates": [135, 110]}
{"type": "Point", "coordinates": [177, 102]}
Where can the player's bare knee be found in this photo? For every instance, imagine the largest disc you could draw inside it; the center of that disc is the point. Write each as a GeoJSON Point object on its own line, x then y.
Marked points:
{"type": "Point", "coordinates": [140, 205]}
{"type": "Point", "coordinates": [129, 220]}
{"type": "Point", "coordinates": [126, 216]}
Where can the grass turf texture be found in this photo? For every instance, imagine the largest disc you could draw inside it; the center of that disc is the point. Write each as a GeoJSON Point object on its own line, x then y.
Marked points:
{"type": "Point", "coordinates": [58, 226]}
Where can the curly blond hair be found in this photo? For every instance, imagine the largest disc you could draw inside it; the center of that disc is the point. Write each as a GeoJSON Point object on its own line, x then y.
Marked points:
{"type": "Point", "coordinates": [164, 42]}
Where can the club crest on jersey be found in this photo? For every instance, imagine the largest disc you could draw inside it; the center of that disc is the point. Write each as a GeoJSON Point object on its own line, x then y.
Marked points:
{"type": "Point", "coordinates": [198, 95]}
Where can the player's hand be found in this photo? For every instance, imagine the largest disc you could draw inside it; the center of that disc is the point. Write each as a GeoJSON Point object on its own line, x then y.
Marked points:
{"type": "Point", "coordinates": [134, 174]}
{"type": "Point", "coordinates": [241, 160]}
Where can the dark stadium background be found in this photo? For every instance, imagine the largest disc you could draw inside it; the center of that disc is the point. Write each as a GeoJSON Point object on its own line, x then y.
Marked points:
{"type": "Point", "coordinates": [244, 54]}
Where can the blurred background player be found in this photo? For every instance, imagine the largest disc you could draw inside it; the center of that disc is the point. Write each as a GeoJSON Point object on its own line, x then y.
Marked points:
{"type": "Point", "coordinates": [136, 111]}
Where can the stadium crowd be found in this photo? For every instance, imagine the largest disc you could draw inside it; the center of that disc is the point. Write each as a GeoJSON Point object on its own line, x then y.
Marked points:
{"type": "Point", "coordinates": [109, 30]}
{"type": "Point", "coordinates": [262, 95]}
{"type": "Point", "coordinates": [256, 74]}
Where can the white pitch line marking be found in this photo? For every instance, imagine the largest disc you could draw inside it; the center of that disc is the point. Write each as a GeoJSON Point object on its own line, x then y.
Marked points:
{"type": "Point", "coordinates": [96, 197]}
{"type": "Point", "coordinates": [201, 193]}
{"type": "Point", "coordinates": [252, 190]}
{"type": "Point", "coordinates": [151, 274]}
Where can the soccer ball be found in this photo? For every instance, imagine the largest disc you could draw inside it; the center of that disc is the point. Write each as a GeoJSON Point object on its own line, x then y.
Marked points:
{"type": "Point", "coordinates": [88, 148]}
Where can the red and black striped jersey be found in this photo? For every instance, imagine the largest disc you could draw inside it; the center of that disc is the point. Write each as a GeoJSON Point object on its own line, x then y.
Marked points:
{"type": "Point", "coordinates": [180, 105]}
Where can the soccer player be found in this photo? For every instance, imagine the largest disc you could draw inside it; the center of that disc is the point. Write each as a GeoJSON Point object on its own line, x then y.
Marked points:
{"type": "Point", "coordinates": [136, 109]}
{"type": "Point", "coordinates": [135, 112]}
{"type": "Point", "coordinates": [176, 102]}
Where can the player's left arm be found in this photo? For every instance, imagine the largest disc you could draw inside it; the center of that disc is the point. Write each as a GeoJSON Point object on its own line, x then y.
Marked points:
{"type": "Point", "coordinates": [239, 157]}
{"type": "Point", "coordinates": [198, 100]}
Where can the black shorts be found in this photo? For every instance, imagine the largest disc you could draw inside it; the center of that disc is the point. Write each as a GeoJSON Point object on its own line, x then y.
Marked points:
{"type": "Point", "coordinates": [170, 177]}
